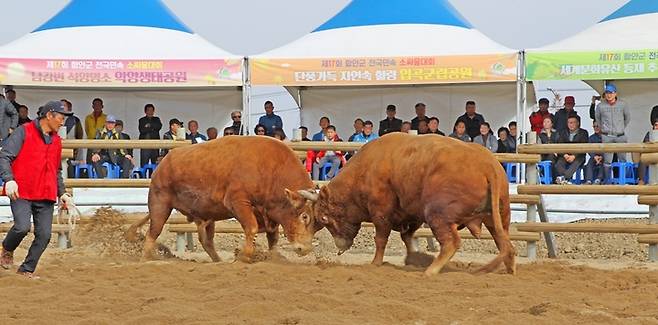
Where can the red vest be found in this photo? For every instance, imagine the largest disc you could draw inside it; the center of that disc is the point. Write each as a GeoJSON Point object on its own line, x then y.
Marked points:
{"type": "Point", "coordinates": [37, 164]}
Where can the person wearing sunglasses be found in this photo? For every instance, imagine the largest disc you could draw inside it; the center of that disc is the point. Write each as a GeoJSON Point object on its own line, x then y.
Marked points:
{"type": "Point", "coordinates": [236, 117]}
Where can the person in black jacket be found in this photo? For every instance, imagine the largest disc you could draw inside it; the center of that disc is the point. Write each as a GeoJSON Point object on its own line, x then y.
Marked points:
{"type": "Point", "coordinates": [503, 141]}
{"type": "Point", "coordinates": [149, 128]}
{"type": "Point", "coordinates": [567, 164]}
{"type": "Point", "coordinates": [421, 109]}
{"type": "Point", "coordinates": [472, 120]}
{"type": "Point", "coordinates": [390, 123]}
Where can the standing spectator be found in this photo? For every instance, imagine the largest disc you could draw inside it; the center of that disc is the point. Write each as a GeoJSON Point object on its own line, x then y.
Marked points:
{"type": "Point", "coordinates": [592, 107]}
{"type": "Point", "coordinates": [74, 130]}
{"type": "Point", "coordinates": [324, 123]}
{"type": "Point", "coordinates": [212, 132]}
{"type": "Point", "coordinates": [270, 120]}
{"type": "Point", "coordinates": [563, 114]}
{"type": "Point", "coordinates": [23, 115]}
{"type": "Point", "coordinates": [613, 116]}
{"type": "Point", "coordinates": [548, 135]}
{"type": "Point", "coordinates": [537, 118]}
{"type": "Point", "coordinates": [11, 97]}
{"type": "Point", "coordinates": [125, 136]}
{"type": "Point", "coordinates": [8, 118]}
{"type": "Point", "coordinates": [259, 129]}
{"type": "Point", "coordinates": [421, 109]}
{"type": "Point", "coordinates": [472, 120]}
{"type": "Point", "coordinates": [568, 164]}
{"type": "Point", "coordinates": [194, 134]}
{"type": "Point", "coordinates": [511, 141]}
{"type": "Point", "coordinates": [358, 128]}
{"type": "Point", "coordinates": [95, 121]}
{"type": "Point", "coordinates": [390, 123]}
{"type": "Point", "coordinates": [433, 126]}
{"type": "Point", "coordinates": [149, 129]}
{"type": "Point", "coordinates": [642, 168]}
{"type": "Point", "coordinates": [595, 169]}
{"type": "Point", "coordinates": [406, 126]}
{"type": "Point", "coordinates": [503, 143]}
{"type": "Point", "coordinates": [304, 133]}
{"type": "Point", "coordinates": [459, 131]}
{"type": "Point", "coordinates": [654, 114]}
{"type": "Point", "coordinates": [229, 130]}
{"type": "Point", "coordinates": [423, 127]}
{"type": "Point", "coordinates": [30, 167]}
{"type": "Point", "coordinates": [486, 138]}
{"type": "Point", "coordinates": [323, 157]}
{"type": "Point", "coordinates": [237, 126]}
{"type": "Point", "coordinates": [119, 157]}
{"type": "Point", "coordinates": [174, 125]}
{"type": "Point", "coordinates": [366, 135]}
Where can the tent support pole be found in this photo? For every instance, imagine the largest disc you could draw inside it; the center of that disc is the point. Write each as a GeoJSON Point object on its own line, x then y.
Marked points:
{"type": "Point", "coordinates": [299, 102]}
{"type": "Point", "coordinates": [246, 97]}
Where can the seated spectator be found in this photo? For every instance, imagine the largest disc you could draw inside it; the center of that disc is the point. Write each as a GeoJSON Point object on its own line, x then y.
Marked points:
{"type": "Point", "coordinates": [459, 131]}
{"type": "Point", "coordinates": [122, 135]}
{"type": "Point", "coordinates": [279, 134]}
{"type": "Point", "coordinates": [567, 164]}
{"type": "Point", "coordinates": [511, 141]}
{"type": "Point", "coordinates": [366, 135]}
{"type": "Point", "coordinates": [595, 169]}
{"type": "Point", "coordinates": [486, 138]}
{"type": "Point", "coordinates": [335, 158]}
{"type": "Point", "coordinates": [642, 168]}
{"type": "Point", "coordinates": [174, 125]}
{"type": "Point", "coordinates": [23, 115]}
{"type": "Point", "coordinates": [406, 126]}
{"type": "Point", "coordinates": [229, 130]}
{"type": "Point", "coordinates": [194, 135]}
{"type": "Point", "coordinates": [390, 123]}
{"type": "Point", "coordinates": [119, 157]}
{"type": "Point", "coordinates": [304, 133]}
{"type": "Point", "coordinates": [563, 114]}
{"type": "Point", "coordinates": [212, 133]}
{"type": "Point", "coordinates": [548, 135]}
{"type": "Point", "coordinates": [260, 130]}
{"type": "Point", "coordinates": [423, 128]}
{"type": "Point", "coordinates": [358, 128]}
{"type": "Point", "coordinates": [324, 123]}
{"type": "Point", "coordinates": [433, 126]}
{"type": "Point", "coordinates": [471, 119]}
{"type": "Point", "coordinates": [503, 144]}
{"type": "Point", "coordinates": [537, 118]}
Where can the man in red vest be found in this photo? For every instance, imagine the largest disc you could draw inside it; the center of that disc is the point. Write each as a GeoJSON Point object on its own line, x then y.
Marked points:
{"type": "Point", "coordinates": [30, 166]}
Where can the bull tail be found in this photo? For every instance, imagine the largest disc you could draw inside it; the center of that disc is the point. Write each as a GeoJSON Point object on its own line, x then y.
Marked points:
{"type": "Point", "coordinates": [499, 232]}
{"type": "Point", "coordinates": [131, 233]}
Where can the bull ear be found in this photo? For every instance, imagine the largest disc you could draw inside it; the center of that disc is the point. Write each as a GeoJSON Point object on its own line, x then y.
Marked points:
{"type": "Point", "coordinates": [310, 195]}
{"type": "Point", "coordinates": [295, 199]}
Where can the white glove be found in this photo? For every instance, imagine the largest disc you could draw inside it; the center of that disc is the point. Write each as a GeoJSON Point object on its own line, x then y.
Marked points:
{"type": "Point", "coordinates": [11, 188]}
{"type": "Point", "coordinates": [66, 201]}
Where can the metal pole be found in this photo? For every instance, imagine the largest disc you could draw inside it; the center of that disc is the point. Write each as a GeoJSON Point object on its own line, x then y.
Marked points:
{"type": "Point", "coordinates": [653, 209]}
{"type": "Point", "coordinates": [246, 97]}
{"type": "Point", "coordinates": [531, 214]}
{"type": "Point", "coordinates": [299, 102]}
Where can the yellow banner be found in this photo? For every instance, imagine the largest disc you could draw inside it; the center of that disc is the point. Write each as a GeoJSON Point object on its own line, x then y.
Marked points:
{"type": "Point", "coordinates": [383, 70]}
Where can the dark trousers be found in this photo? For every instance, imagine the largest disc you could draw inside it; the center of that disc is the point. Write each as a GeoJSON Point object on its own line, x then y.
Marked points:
{"type": "Point", "coordinates": [146, 154]}
{"type": "Point", "coordinates": [563, 168]}
{"type": "Point", "coordinates": [594, 171]}
{"type": "Point", "coordinates": [123, 162]}
{"type": "Point", "coordinates": [42, 213]}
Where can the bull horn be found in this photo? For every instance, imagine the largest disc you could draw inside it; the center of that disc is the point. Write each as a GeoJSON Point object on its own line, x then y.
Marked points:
{"type": "Point", "coordinates": [309, 195]}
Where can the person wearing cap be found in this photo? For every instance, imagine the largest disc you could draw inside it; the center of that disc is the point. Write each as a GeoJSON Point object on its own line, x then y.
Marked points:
{"type": "Point", "coordinates": [613, 116]}
{"type": "Point", "coordinates": [30, 166]}
{"type": "Point", "coordinates": [174, 125]}
{"type": "Point", "coordinates": [472, 120]}
{"type": "Point", "coordinates": [119, 157]}
{"type": "Point", "coordinates": [563, 114]}
{"type": "Point", "coordinates": [390, 123]}
{"type": "Point", "coordinates": [537, 118]}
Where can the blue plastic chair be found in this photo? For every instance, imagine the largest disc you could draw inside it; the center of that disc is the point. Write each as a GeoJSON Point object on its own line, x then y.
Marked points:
{"type": "Point", "coordinates": [545, 174]}
{"type": "Point", "coordinates": [577, 176]}
{"type": "Point", "coordinates": [625, 173]}
{"type": "Point", "coordinates": [87, 167]}
{"type": "Point", "coordinates": [148, 170]}
{"type": "Point", "coordinates": [324, 170]}
{"type": "Point", "coordinates": [136, 173]}
{"type": "Point", "coordinates": [511, 169]}
{"type": "Point", "coordinates": [113, 171]}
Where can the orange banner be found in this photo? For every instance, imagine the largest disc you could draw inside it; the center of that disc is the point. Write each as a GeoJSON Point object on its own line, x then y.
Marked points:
{"type": "Point", "coordinates": [383, 70]}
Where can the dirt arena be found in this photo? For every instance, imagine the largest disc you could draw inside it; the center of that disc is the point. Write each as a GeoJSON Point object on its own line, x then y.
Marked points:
{"type": "Point", "coordinates": [101, 281]}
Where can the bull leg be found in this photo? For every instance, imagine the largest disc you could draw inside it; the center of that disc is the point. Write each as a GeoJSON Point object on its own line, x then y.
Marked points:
{"type": "Point", "coordinates": [407, 237]}
{"type": "Point", "coordinates": [272, 239]}
{"type": "Point", "coordinates": [448, 237]}
{"type": "Point", "coordinates": [382, 231]}
{"type": "Point", "coordinates": [206, 231]}
{"type": "Point", "coordinates": [244, 213]}
{"type": "Point", "coordinates": [159, 213]}
{"type": "Point", "coordinates": [505, 248]}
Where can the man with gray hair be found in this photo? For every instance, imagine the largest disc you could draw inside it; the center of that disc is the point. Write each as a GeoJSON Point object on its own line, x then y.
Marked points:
{"type": "Point", "coordinates": [613, 116]}
{"type": "Point", "coordinates": [238, 128]}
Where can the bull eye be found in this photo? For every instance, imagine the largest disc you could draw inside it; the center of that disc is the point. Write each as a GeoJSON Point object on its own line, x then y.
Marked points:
{"type": "Point", "coordinates": [324, 219]}
{"type": "Point", "coordinates": [305, 218]}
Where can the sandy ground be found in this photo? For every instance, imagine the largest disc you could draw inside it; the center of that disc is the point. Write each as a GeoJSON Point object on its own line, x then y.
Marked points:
{"type": "Point", "coordinates": [101, 281]}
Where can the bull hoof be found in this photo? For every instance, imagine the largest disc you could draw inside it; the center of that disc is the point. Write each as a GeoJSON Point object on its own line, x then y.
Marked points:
{"type": "Point", "coordinates": [245, 258]}
{"type": "Point", "coordinates": [418, 259]}
{"type": "Point", "coordinates": [431, 272]}
{"type": "Point", "coordinates": [377, 263]}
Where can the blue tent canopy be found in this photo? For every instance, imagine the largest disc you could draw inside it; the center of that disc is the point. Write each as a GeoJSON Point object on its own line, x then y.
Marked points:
{"type": "Point", "coordinates": [634, 8]}
{"type": "Point", "coordinates": [143, 13]}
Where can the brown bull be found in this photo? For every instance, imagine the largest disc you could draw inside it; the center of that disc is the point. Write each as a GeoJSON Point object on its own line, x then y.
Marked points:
{"type": "Point", "coordinates": [252, 179]}
{"type": "Point", "coordinates": [400, 181]}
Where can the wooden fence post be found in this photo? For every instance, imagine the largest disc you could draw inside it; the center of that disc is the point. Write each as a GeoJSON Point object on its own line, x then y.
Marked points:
{"type": "Point", "coordinates": [653, 209]}
{"type": "Point", "coordinates": [531, 211]}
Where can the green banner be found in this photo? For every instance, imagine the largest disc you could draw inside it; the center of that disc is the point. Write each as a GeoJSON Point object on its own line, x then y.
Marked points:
{"type": "Point", "coordinates": [603, 65]}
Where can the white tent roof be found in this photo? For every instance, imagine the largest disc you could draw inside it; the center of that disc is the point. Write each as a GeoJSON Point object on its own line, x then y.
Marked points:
{"type": "Point", "coordinates": [118, 30]}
